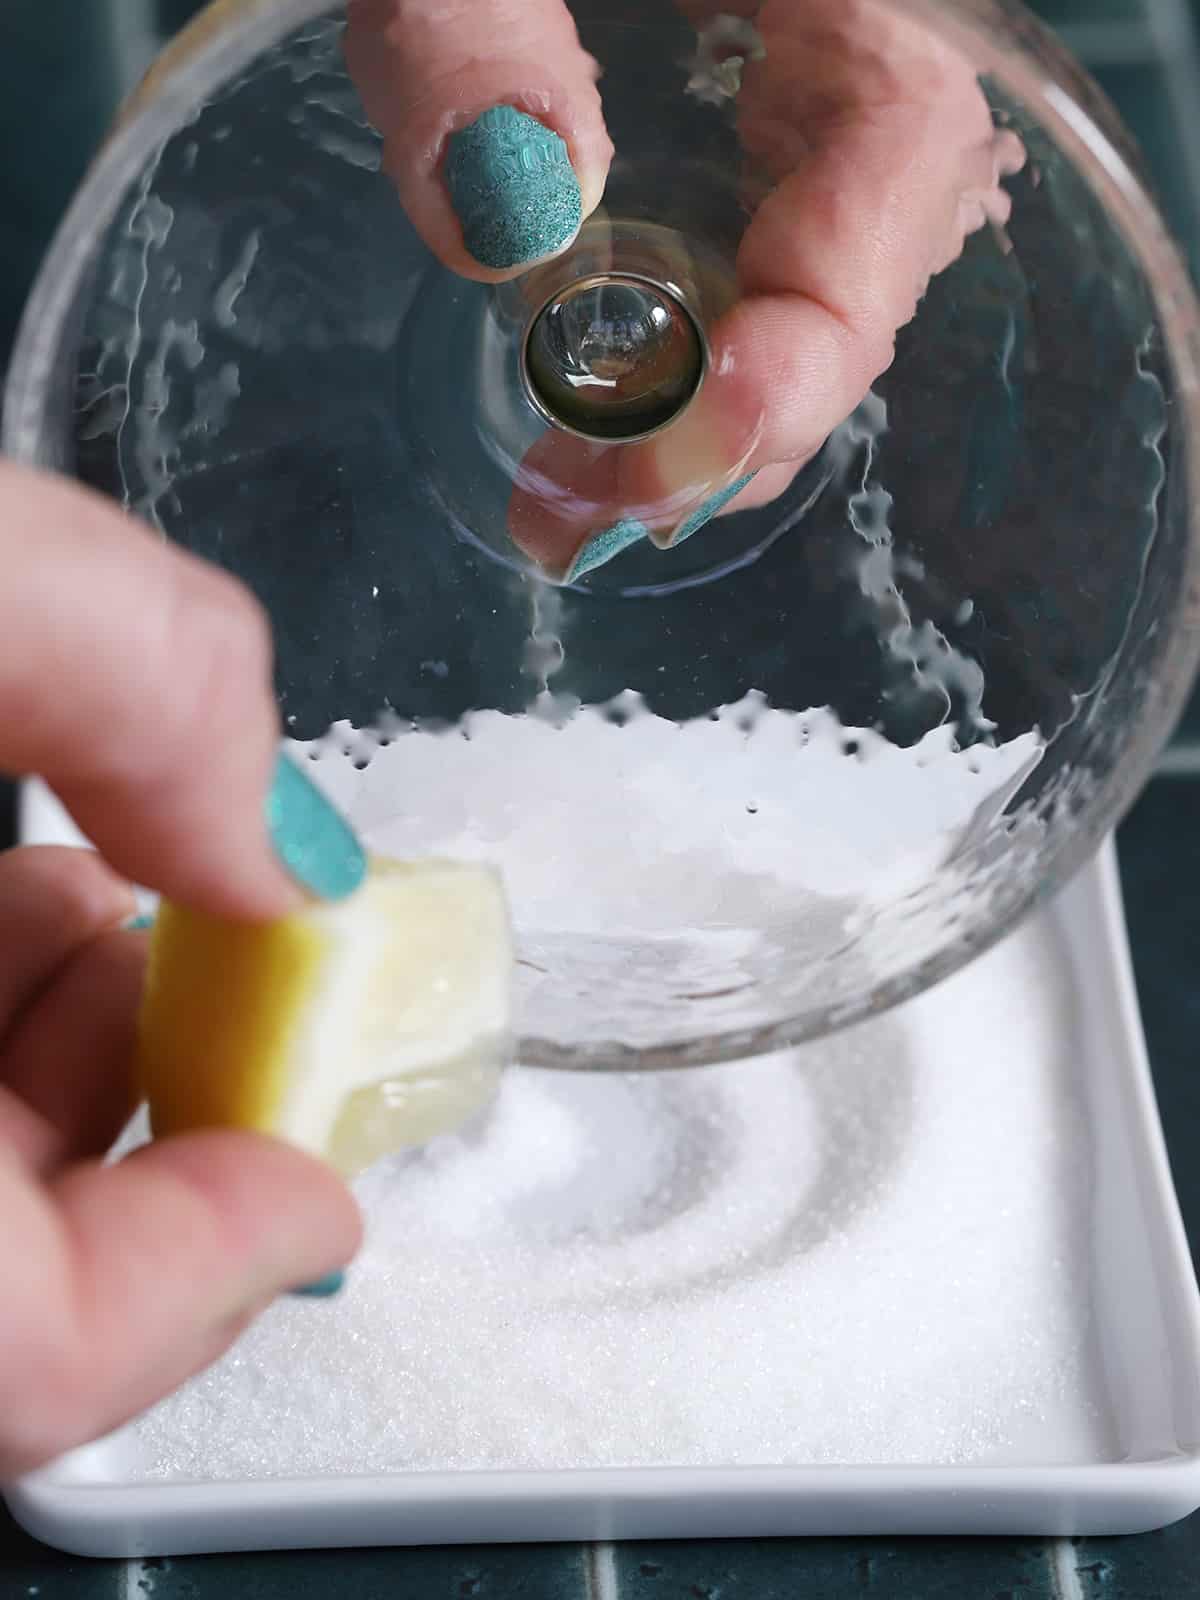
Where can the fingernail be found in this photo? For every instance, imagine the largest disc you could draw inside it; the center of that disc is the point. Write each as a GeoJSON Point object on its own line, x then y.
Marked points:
{"type": "Point", "coordinates": [323, 1289]}
{"type": "Point", "coordinates": [602, 547]}
{"type": "Point", "coordinates": [140, 923]}
{"type": "Point", "coordinates": [312, 840]}
{"type": "Point", "coordinates": [711, 508]}
{"type": "Point", "coordinates": [512, 184]}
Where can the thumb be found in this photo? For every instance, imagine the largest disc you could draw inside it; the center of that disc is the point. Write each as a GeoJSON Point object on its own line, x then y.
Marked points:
{"type": "Point", "coordinates": [498, 154]}
{"type": "Point", "coordinates": [133, 1277]}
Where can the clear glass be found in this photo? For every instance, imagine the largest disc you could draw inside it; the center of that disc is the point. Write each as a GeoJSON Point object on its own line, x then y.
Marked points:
{"type": "Point", "coordinates": [746, 786]}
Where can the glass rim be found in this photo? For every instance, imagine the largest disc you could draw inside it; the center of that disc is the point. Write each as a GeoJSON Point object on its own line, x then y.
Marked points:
{"type": "Point", "coordinates": [998, 36]}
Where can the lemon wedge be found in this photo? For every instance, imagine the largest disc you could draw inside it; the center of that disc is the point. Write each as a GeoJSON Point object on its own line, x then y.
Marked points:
{"type": "Point", "coordinates": [350, 1029]}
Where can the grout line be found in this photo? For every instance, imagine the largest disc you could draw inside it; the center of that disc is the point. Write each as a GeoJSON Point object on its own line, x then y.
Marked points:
{"type": "Point", "coordinates": [1109, 44]}
{"type": "Point", "coordinates": [600, 1570]}
{"type": "Point", "coordinates": [1179, 761]}
{"type": "Point", "coordinates": [1174, 33]}
{"type": "Point", "coordinates": [1064, 1569]}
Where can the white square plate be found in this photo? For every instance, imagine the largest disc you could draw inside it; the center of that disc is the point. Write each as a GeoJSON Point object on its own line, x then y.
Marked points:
{"type": "Point", "coordinates": [1137, 1468]}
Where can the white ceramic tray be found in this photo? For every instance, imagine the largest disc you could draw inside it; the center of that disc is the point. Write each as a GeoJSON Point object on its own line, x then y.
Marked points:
{"type": "Point", "coordinates": [1140, 1470]}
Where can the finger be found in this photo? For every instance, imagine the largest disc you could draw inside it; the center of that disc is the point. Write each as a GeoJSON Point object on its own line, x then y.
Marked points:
{"type": "Point", "coordinates": [766, 486]}
{"type": "Point", "coordinates": [27, 1137]}
{"type": "Point", "coordinates": [491, 120]}
{"type": "Point", "coordinates": [52, 901]}
{"type": "Point", "coordinates": [577, 503]}
{"type": "Point", "coordinates": [565, 492]}
{"type": "Point", "coordinates": [891, 214]}
{"type": "Point", "coordinates": [885, 156]}
{"type": "Point", "coordinates": [70, 1056]}
{"type": "Point", "coordinates": [558, 538]}
{"type": "Point", "coordinates": [132, 1277]}
{"type": "Point", "coordinates": [137, 680]}
{"type": "Point", "coordinates": [809, 368]}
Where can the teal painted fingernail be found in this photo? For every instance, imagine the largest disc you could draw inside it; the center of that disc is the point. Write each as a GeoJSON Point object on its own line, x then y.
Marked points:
{"type": "Point", "coordinates": [323, 1289]}
{"type": "Point", "coordinates": [602, 547]}
{"type": "Point", "coordinates": [512, 184]}
{"type": "Point", "coordinates": [701, 518]}
{"type": "Point", "coordinates": [141, 923]}
{"type": "Point", "coordinates": [314, 843]}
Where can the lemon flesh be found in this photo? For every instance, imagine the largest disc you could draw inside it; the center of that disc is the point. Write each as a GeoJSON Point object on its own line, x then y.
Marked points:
{"type": "Point", "coordinates": [350, 1030]}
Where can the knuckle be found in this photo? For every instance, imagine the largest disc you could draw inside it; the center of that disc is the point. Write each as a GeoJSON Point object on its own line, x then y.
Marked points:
{"type": "Point", "coordinates": [76, 883]}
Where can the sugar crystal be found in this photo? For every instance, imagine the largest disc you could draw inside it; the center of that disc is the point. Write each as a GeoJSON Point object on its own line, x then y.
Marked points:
{"type": "Point", "coordinates": [871, 1249]}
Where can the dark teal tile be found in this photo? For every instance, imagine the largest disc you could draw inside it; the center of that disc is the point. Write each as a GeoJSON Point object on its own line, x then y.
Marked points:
{"type": "Point", "coordinates": [492, 1572]}
{"type": "Point", "coordinates": [1092, 11]}
{"type": "Point", "coordinates": [171, 15]}
{"type": "Point", "coordinates": [28, 1571]}
{"type": "Point", "coordinates": [59, 103]}
{"type": "Point", "coordinates": [1140, 96]}
{"type": "Point", "coordinates": [60, 84]}
{"type": "Point", "coordinates": [1189, 725]}
{"type": "Point", "coordinates": [1139, 93]}
{"type": "Point", "coordinates": [1154, 1566]}
{"type": "Point", "coordinates": [59, 90]}
{"type": "Point", "coordinates": [836, 1569]}
{"type": "Point", "coordinates": [1159, 845]}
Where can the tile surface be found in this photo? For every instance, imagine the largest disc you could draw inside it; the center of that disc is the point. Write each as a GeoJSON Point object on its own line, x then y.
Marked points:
{"type": "Point", "coordinates": [58, 105]}
{"type": "Point", "coordinates": [1142, 95]}
{"type": "Point", "coordinates": [516, 1572]}
{"type": "Point", "coordinates": [58, 102]}
{"type": "Point", "coordinates": [1160, 873]}
{"type": "Point", "coordinates": [28, 1571]}
{"type": "Point", "coordinates": [1059, 12]}
{"type": "Point", "coordinates": [1157, 1566]}
{"type": "Point", "coordinates": [835, 1569]}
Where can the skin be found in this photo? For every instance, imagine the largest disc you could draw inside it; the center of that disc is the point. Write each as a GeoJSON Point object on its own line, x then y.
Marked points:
{"type": "Point", "coordinates": [122, 657]}
{"type": "Point", "coordinates": [883, 157]}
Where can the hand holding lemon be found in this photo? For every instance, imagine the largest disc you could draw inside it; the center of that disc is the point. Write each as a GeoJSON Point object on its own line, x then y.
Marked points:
{"type": "Point", "coordinates": [307, 1001]}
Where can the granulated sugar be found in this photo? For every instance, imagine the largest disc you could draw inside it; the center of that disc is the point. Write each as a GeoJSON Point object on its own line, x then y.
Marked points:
{"type": "Point", "coordinates": [674, 881]}
{"type": "Point", "coordinates": [582, 812]}
{"type": "Point", "coordinates": [868, 1250]}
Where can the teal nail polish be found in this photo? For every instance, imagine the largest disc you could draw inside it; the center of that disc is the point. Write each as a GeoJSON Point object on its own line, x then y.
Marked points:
{"type": "Point", "coordinates": [316, 846]}
{"type": "Point", "coordinates": [512, 184]}
{"type": "Point", "coordinates": [701, 518]}
{"type": "Point", "coordinates": [139, 924]}
{"type": "Point", "coordinates": [602, 547]}
{"type": "Point", "coordinates": [323, 1289]}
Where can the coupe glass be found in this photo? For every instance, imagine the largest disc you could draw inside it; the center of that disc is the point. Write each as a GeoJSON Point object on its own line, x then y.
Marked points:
{"type": "Point", "coordinates": [744, 788]}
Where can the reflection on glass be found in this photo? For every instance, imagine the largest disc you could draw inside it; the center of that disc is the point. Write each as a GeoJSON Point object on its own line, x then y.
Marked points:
{"type": "Point", "coordinates": [775, 585]}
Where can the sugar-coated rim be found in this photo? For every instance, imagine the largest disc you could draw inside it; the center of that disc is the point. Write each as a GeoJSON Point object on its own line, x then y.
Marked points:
{"type": "Point", "coordinates": [1001, 38]}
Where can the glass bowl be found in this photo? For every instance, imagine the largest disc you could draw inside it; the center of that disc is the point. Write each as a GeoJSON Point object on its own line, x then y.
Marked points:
{"type": "Point", "coordinates": [754, 777]}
